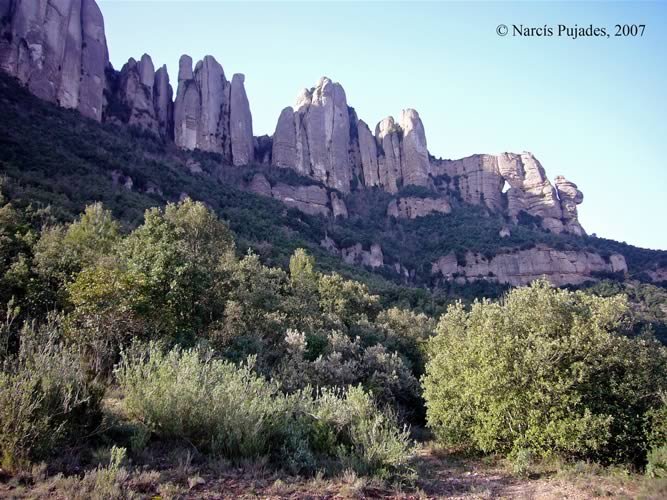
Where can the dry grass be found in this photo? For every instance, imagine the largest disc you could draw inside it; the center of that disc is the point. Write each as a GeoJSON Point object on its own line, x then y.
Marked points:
{"type": "Point", "coordinates": [179, 473]}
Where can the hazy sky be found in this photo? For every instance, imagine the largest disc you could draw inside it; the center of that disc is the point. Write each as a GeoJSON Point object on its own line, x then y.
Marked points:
{"type": "Point", "coordinates": [592, 109]}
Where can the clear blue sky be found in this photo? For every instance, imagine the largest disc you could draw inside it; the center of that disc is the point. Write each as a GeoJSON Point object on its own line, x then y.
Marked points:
{"type": "Point", "coordinates": [594, 110]}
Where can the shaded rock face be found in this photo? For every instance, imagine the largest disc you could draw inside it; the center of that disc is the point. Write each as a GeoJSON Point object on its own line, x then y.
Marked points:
{"type": "Point", "coordinates": [476, 178]}
{"type": "Point", "coordinates": [58, 49]}
{"type": "Point", "coordinates": [144, 97]}
{"type": "Point", "coordinates": [412, 207]}
{"type": "Point", "coordinates": [569, 196]}
{"type": "Point", "coordinates": [312, 200]}
{"type": "Point", "coordinates": [520, 268]}
{"type": "Point", "coordinates": [240, 123]}
{"type": "Point", "coordinates": [211, 113]}
{"type": "Point", "coordinates": [163, 101]}
{"type": "Point", "coordinates": [357, 255]}
{"type": "Point", "coordinates": [415, 166]}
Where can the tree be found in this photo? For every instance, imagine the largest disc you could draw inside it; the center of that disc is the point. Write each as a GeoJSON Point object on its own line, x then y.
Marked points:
{"type": "Point", "coordinates": [546, 370]}
{"type": "Point", "coordinates": [180, 252]}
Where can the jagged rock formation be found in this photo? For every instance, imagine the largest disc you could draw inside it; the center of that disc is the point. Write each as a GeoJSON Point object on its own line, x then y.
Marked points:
{"type": "Point", "coordinates": [412, 207]}
{"type": "Point", "coordinates": [240, 123]}
{"type": "Point", "coordinates": [211, 113]}
{"type": "Point", "coordinates": [58, 49]}
{"type": "Point", "coordinates": [522, 267]}
{"type": "Point", "coordinates": [569, 196]}
{"type": "Point", "coordinates": [142, 97]}
{"type": "Point", "coordinates": [480, 179]}
{"type": "Point", "coordinates": [321, 137]}
{"type": "Point", "coordinates": [314, 137]}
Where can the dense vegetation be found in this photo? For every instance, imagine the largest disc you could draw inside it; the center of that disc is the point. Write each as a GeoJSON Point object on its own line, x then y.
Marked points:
{"type": "Point", "coordinates": [548, 372]}
{"type": "Point", "coordinates": [304, 369]}
{"type": "Point", "coordinates": [221, 324]}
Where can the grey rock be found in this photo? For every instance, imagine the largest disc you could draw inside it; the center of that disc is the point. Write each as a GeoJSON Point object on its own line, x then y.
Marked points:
{"type": "Point", "coordinates": [260, 185]}
{"type": "Point", "coordinates": [284, 140]}
{"type": "Point", "coordinates": [525, 266]}
{"type": "Point", "coordinates": [321, 124]}
{"type": "Point", "coordinates": [338, 207]}
{"type": "Point", "coordinates": [412, 207]}
{"type": "Point", "coordinates": [569, 196]}
{"type": "Point", "coordinates": [57, 48]}
{"type": "Point", "coordinates": [136, 96]}
{"type": "Point", "coordinates": [355, 254]}
{"type": "Point", "coordinates": [387, 135]}
{"type": "Point", "coordinates": [263, 146]}
{"type": "Point", "coordinates": [312, 200]}
{"type": "Point", "coordinates": [369, 155]}
{"type": "Point", "coordinates": [163, 96]}
{"type": "Point", "coordinates": [415, 165]}
{"type": "Point", "coordinates": [240, 123]}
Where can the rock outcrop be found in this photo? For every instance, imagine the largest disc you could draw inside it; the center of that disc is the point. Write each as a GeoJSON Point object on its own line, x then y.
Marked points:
{"type": "Point", "coordinates": [321, 137]}
{"type": "Point", "coordinates": [413, 207]}
{"type": "Point", "coordinates": [566, 267]}
{"type": "Point", "coordinates": [569, 196]}
{"type": "Point", "coordinates": [481, 179]}
{"type": "Point", "coordinates": [163, 100]}
{"type": "Point", "coordinates": [415, 166]}
{"type": "Point", "coordinates": [142, 97]}
{"type": "Point", "coordinates": [357, 255]}
{"type": "Point", "coordinates": [58, 49]}
{"type": "Point", "coordinates": [211, 113]}
{"type": "Point", "coordinates": [314, 137]}
{"type": "Point", "coordinates": [312, 200]}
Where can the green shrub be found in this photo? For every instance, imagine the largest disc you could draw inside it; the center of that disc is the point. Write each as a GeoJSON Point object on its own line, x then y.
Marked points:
{"type": "Point", "coordinates": [229, 411]}
{"type": "Point", "coordinates": [46, 401]}
{"type": "Point", "coordinates": [545, 370]}
{"type": "Point", "coordinates": [219, 408]}
{"type": "Point", "coordinates": [372, 442]}
{"type": "Point", "coordinates": [657, 462]}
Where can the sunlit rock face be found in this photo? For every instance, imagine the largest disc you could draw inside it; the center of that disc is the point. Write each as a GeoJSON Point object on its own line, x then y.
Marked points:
{"type": "Point", "coordinates": [57, 48]}
{"type": "Point", "coordinates": [522, 267]}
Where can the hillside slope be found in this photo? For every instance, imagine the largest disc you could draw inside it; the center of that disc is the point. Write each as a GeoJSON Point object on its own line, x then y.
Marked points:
{"type": "Point", "coordinates": [52, 156]}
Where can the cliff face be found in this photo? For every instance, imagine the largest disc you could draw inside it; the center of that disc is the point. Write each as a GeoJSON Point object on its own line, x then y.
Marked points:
{"type": "Point", "coordinates": [520, 268]}
{"type": "Point", "coordinates": [58, 49]}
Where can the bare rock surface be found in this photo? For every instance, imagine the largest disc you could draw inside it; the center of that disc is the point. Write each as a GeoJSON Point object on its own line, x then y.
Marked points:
{"type": "Point", "coordinates": [413, 207]}
{"type": "Point", "coordinates": [58, 49]}
{"type": "Point", "coordinates": [211, 113]}
{"type": "Point", "coordinates": [357, 255]}
{"type": "Point", "coordinates": [522, 267]}
{"type": "Point", "coordinates": [240, 123]}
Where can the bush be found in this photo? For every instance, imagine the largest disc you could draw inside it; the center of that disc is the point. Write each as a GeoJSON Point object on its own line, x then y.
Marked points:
{"type": "Point", "coordinates": [219, 408]}
{"type": "Point", "coordinates": [226, 410]}
{"type": "Point", "coordinates": [657, 462]}
{"type": "Point", "coordinates": [371, 441]}
{"type": "Point", "coordinates": [544, 370]}
{"type": "Point", "coordinates": [45, 401]}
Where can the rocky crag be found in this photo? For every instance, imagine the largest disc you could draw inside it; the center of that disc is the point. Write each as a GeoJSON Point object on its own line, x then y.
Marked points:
{"type": "Point", "coordinates": [58, 50]}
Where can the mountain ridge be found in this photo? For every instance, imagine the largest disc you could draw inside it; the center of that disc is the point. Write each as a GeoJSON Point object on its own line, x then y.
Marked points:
{"type": "Point", "coordinates": [44, 43]}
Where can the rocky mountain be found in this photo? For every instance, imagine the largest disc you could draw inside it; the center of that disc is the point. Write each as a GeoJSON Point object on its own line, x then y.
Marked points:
{"type": "Point", "coordinates": [57, 49]}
